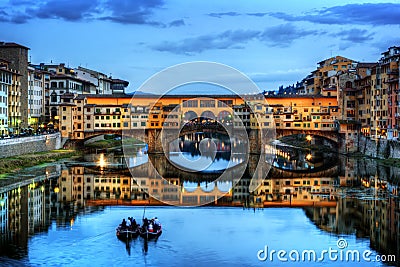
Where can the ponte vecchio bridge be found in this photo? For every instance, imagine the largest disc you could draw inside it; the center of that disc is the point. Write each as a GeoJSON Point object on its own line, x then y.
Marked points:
{"type": "Point", "coordinates": [151, 118]}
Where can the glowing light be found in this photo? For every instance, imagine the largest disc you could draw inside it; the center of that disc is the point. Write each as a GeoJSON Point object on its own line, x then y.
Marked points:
{"type": "Point", "coordinates": [309, 157]}
{"type": "Point", "coordinates": [56, 189]}
{"type": "Point", "coordinates": [309, 138]}
{"type": "Point", "coordinates": [102, 161]}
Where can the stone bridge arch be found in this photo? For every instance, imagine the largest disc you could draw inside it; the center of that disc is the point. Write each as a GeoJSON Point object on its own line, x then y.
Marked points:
{"type": "Point", "coordinates": [332, 136]}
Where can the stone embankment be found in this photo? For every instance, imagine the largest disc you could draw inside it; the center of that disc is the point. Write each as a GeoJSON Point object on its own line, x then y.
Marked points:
{"type": "Point", "coordinates": [28, 145]}
{"type": "Point", "coordinates": [379, 148]}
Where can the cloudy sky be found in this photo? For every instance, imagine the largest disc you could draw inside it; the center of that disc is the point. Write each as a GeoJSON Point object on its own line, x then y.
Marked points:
{"type": "Point", "coordinates": [273, 42]}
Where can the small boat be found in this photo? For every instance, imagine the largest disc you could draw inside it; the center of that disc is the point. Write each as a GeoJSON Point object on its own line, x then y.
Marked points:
{"type": "Point", "coordinates": [149, 234]}
{"type": "Point", "coordinates": [146, 234]}
{"type": "Point", "coordinates": [127, 233]}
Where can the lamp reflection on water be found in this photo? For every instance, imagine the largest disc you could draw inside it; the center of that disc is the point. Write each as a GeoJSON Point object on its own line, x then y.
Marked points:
{"type": "Point", "coordinates": [102, 161]}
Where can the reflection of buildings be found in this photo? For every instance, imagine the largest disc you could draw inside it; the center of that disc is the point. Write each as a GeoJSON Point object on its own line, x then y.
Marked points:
{"type": "Point", "coordinates": [371, 210]}
{"type": "Point", "coordinates": [3, 212]}
{"type": "Point", "coordinates": [297, 190]}
{"type": "Point", "coordinates": [380, 213]}
{"type": "Point", "coordinates": [79, 183]}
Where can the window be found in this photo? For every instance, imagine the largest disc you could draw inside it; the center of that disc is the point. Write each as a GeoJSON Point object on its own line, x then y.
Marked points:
{"type": "Point", "coordinates": [207, 103]}
{"type": "Point", "coordinates": [53, 97]}
{"type": "Point", "coordinates": [88, 125]}
{"type": "Point", "coordinates": [190, 104]}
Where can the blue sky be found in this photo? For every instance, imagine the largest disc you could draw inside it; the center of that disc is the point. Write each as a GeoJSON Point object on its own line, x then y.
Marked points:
{"type": "Point", "coordinates": [273, 42]}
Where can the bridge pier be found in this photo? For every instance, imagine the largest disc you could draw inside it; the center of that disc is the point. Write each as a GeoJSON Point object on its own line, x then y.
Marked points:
{"type": "Point", "coordinates": [254, 136]}
{"type": "Point", "coordinates": [153, 140]}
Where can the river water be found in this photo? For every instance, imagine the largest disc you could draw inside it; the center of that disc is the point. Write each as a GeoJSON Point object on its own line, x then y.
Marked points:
{"type": "Point", "coordinates": [65, 213]}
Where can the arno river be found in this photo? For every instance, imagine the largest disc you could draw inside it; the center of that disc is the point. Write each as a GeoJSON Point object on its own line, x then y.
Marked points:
{"type": "Point", "coordinates": [346, 210]}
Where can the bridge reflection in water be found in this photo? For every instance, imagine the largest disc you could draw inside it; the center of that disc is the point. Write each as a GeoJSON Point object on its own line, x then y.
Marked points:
{"type": "Point", "coordinates": [360, 198]}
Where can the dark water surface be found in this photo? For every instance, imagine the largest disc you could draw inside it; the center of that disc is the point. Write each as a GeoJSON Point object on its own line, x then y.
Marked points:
{"type": "Point", "coordinates": [191, 237]}
{"type": "Point", "coordinates": [65, 213]}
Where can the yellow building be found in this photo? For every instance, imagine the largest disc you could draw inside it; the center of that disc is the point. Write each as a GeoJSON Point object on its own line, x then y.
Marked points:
{"type": "Point", "coordinates": [325, 74]}
{"type": "Point", "coordinates": [379, 103]}
{"type": "Point", "coordinates": [14, 103]}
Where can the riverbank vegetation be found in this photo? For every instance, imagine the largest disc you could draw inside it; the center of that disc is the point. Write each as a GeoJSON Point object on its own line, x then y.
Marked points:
{"type": "Point", "coordinates": [115, 142]}
{"type": "Point", "coordinates": [15, 163]}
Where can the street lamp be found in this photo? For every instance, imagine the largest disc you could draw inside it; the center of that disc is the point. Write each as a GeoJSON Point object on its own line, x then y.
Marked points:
{"type": "Point", "coordinates": [18, 126]}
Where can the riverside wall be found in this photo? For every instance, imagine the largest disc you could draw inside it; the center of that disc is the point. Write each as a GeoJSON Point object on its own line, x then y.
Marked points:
{"type": "Point", "coordinates": [379, 148]}
{"type": "Point", "coordinates": [27, 145]}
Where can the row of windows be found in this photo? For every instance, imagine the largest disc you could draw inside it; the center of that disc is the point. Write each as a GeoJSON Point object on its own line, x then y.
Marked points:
{"type": "Point", "coordinates": [119, 117]}
{"type": "Point", "coordinates": [34, 111]}
{"type": "Point", "coordinates": [5, 77]}
{"type": "Point", "coordinates": [36, 83]}
{"type": "Point", "coordinates": [3, 111]}
{"type": "Point", "coordinates": [305, 125]}
{"type": "Point", "coordinates": [4, 88]}
{"type": "Point", "coordinates": [297, 182]}
{"type": "Point", "coordinates": [35, 102]}
{"type": "Point", "coordinates": [114, 125]}
{"type": "Point", "coordinates": [206, 103]}
{"type": "Point", "coordinates": [35, 92]}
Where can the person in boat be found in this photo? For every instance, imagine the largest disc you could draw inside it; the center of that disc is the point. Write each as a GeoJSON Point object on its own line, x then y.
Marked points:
{"type": "Point", "coordinates": [128, 223]}
{"type": "Point", "coordinates": [123, 224]}
{"type": "Point", "coordinates": [145, 223]}
{"type": "Point", "coordinates": [150, 228]}
{"type": "Point", "coordinates": [134, 223]}
{"type": "Point", "coordinates": [156, 224]}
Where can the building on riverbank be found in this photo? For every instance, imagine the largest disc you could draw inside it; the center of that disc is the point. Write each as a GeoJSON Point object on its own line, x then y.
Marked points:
{"type": "Point", "coordinates": [10, 99]}
{"type": "Point", "coordinates": [36, 97]}
{"type": "Point", "coordinates": [17, 56]}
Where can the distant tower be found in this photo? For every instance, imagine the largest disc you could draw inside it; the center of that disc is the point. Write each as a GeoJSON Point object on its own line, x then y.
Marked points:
{"type": "Point", "coordinates": [17, 55]}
